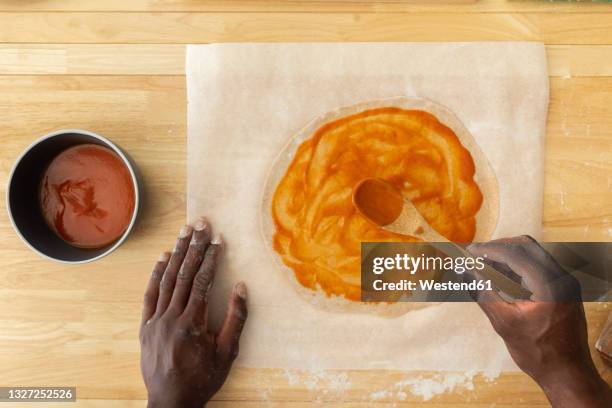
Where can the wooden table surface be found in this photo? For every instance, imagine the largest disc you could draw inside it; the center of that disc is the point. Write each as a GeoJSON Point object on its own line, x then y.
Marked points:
{"type": "Point", "coordinates": [116, 67]}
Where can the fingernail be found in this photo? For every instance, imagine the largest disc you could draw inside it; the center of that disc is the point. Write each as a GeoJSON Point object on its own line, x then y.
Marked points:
{"type": "Point", "coordinates": [241, 290]}
{"type": "Point", "coordinates": [217, 240]}
{"type": "Point", "coordinates": [164, 257]}
{"type": "Point", "coordinates": [186, 230]}
{"type": "Point", "coordinates": [200, 224]}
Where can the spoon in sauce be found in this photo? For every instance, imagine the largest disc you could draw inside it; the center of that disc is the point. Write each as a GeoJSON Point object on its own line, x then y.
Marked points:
{"type": "Point", "coordinates": [384, 205]}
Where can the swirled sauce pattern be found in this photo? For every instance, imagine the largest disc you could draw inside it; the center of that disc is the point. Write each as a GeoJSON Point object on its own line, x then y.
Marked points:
{"type": "Point", "coordinates": [318, 230]}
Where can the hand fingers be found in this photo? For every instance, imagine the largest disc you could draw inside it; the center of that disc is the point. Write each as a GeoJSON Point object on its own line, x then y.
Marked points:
{"type": "Point", "coordinates": [196, 305]}
{"type": "Point", "coordinates": [166, 286]}
{"type": "Point", "coordinates": [525, 257]}
{"type": "Point", "coordinates": [193, 259]}
{"type": "Point", "coordinates": [229, 335]}
{"type": "Point", "coordinates": [152, 291]}
{"type": "Point", "coordinates": [500, 313]}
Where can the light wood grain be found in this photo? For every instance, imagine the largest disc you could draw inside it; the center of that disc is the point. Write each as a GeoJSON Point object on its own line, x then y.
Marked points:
{"type": "Point", "coordinates": [116, 67]}
{"type": "Point", "coordinates": [169, 59]}
{"type": "Point", "coordinates": [283, 404]}
{"type": "Point", "coordinates": [94, 59]}
{"type": "Point", "coordinates": [105, 28]}
{"type": "Point", "coordinates": [327, 6]}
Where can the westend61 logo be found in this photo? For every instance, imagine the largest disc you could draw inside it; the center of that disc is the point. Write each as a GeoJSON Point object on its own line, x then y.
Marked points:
{"type": "Point", "coordinates": [443, 271]}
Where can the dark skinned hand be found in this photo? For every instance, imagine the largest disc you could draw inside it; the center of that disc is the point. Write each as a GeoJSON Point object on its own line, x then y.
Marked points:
{"type": "Point", "coordinates": [182, 362]}
{"type": "Point", "coordinates": [546, 335]}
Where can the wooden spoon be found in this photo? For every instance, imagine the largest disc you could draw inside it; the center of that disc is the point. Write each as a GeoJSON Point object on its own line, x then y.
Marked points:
{"type": "Point", "coordinates": [381, 203]}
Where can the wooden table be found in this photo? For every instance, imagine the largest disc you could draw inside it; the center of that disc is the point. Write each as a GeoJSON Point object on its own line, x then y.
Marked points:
{"type": "Point", "coordinates": [116, 67]}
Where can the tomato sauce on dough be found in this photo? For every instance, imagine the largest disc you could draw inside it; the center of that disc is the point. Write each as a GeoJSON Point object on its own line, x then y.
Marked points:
{"type": "Point", "coordinates": [319, 230]}
{"type": "Point", "coordinates": [87, 196]}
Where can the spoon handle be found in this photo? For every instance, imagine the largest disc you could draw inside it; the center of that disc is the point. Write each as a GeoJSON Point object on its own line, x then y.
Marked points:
{"type": "Point", "coordinates": [422, 230]}
{"type": "Point", "coordinates": [502, 282]}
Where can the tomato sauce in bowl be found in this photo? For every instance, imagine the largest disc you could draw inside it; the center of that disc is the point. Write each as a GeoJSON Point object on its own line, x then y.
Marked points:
{"type": "Point", "coordinates": [86, 196]}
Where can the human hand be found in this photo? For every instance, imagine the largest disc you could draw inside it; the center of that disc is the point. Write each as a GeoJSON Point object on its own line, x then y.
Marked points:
{"type": "Point", "coordinates": [546, 335]}
{"type": "Point", "coordinates": [182, 362]}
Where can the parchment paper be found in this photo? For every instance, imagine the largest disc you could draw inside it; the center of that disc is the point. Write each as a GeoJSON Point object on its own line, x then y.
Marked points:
{"type": "Point", "coordinates": [247, 100]}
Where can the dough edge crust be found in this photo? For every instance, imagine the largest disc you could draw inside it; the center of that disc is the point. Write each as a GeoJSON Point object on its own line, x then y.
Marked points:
{"type": "Point", "coordinates": [486, 218]}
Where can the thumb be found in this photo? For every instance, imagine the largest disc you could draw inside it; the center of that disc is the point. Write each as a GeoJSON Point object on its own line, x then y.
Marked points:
{"type": "Point", "coordinates": [229, 336]}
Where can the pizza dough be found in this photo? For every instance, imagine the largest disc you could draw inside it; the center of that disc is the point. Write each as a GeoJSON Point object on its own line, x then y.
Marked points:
{"type": "Point", "coordinates": [421, 148]}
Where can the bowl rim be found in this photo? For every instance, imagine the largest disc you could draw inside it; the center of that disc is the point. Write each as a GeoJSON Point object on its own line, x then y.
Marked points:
{"type": "Point", "coordinates": [108, 143]}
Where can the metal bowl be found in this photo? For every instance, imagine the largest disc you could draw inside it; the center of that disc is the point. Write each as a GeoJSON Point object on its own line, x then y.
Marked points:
{"type": "Point", "coordinates": [22, 196]}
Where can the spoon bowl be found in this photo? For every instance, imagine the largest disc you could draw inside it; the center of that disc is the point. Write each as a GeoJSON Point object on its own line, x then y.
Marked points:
{"type": "Point", "coordinates": [381, 203]}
